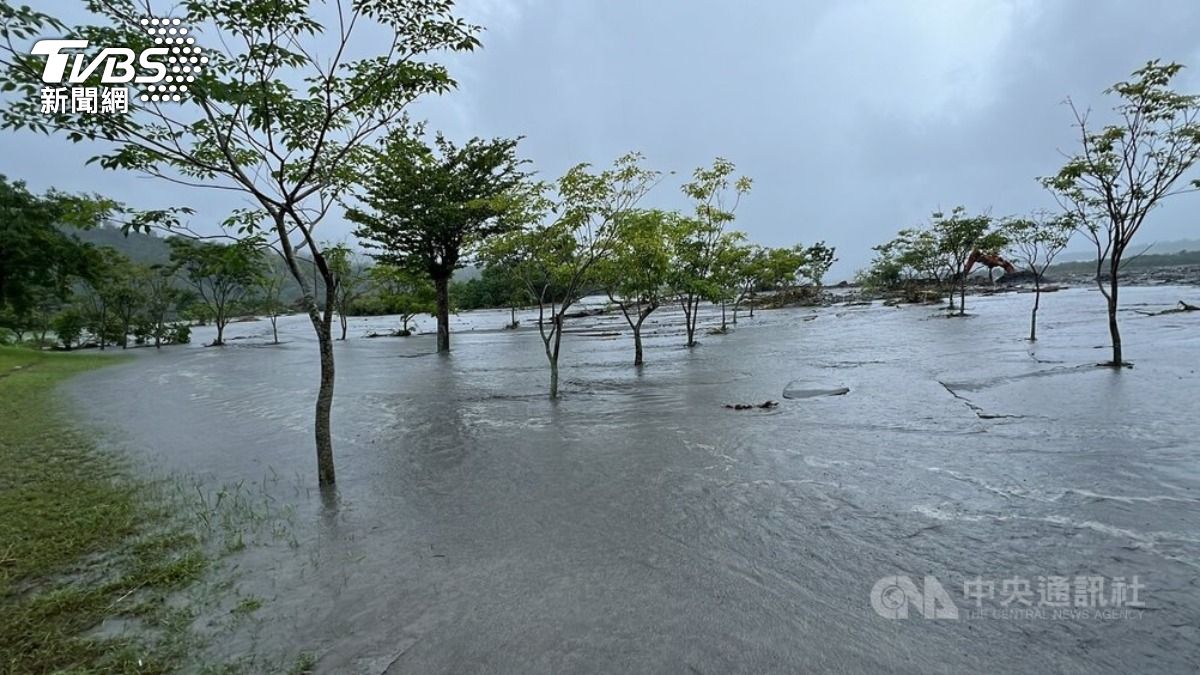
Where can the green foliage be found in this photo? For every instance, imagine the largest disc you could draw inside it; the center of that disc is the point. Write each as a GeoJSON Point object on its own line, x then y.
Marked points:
{"type": "Point", "coordinates": [68, 326]}
{"type": "Point", "coordinates": [181, 333]}
{"type": "Point", "coordinates": [700, 244]}
{"type": "Point", "coordinates": [36, 257]}
{"type": "Point", "coordinates": [556, 260]}
{"type": "Point", "coordinates": [635, 272]}
{"type": "Point", "coordinates": [397, 290]}
{"type": "Point", "coordinates": [350, 276]}
{"type": "Point", "coordinates": [496, 286]}
{"type": "Point", "coordinates": [1037, 239]}
{"type": "Point", "coordinates": [818, 258]}
{"type": "Point", "coordinates": [935, 255]}
{"type": "Point", "coordinates": [426, 206]}
{"type": "Point", "coordinates": [222, 276]}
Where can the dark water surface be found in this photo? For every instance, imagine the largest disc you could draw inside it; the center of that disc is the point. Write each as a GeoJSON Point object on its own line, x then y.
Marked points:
{"type": "Point", "coordinates": [639, 526]}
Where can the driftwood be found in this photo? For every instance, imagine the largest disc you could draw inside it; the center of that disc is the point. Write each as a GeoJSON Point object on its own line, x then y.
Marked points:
{"type": "Point", "coordinates": [1183, 307]}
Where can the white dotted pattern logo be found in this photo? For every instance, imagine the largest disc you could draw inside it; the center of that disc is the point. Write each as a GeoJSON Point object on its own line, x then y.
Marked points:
{"type": "Point", "coordinates": [184, 63]}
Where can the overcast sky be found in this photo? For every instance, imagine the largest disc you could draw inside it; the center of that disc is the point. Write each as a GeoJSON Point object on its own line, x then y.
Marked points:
{"type": "Point", "coordinates": [854, 118]}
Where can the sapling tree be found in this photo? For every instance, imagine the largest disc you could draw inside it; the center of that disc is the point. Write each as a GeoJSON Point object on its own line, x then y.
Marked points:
{"type": "Point", "coordinates": [751, 273]}
{"type": "Point", "coordinates": [699, 241]}
{"type": "Point", "coordinates": [782, 268]}
{"type": "Point", "coordinates": [556, 260]}
{"type": "Point", "coordinates": [1037, 240]}
{"type": "Point", "coordinates": [958, 235]}
{"type": "Point", "coordinates": [100, 291]}
{"type": "Point", "coordinates": [126, 298]}
{"type": "Point", "coordinates": [351, 274]}
{"type": "Point", "coordinates": [818, 258]}
{"type": "Point", "coordinates": [727, 274]}
{"type": "Point", "coordinates": [1122, 170]}
{"type": "Point", "coordinates": [402, 291]}
{"type": "Point", "coordinates": [281, 113]}
{"type": "Point", "coordinates": [222, 275]}
{"type": "Point", "coordinates": [161, 297]}
{"type": "Point", "coordinates": [635, 275]}
{"type": "Point", "coordinates": [269, 291]}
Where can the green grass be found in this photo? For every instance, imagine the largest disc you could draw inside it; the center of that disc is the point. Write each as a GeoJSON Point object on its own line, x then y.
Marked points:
{"type": "Point", "coordinates": [81, 541]}
{"type": "Point", "coordinates": [103, 569]}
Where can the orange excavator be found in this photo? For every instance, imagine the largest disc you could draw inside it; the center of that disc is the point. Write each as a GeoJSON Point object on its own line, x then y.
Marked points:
{"type": "Point", "coordinates": [991, 260]}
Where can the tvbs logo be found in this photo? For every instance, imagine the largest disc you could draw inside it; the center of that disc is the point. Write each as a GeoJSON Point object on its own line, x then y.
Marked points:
{"type": "Point", "coordinates": [166, 69]}
{"type": "Point", "coordinates": [892, 596]}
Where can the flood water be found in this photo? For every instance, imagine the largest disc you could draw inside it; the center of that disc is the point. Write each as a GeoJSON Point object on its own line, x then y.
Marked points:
{"type": "Point", "coordinates": [637, 525]}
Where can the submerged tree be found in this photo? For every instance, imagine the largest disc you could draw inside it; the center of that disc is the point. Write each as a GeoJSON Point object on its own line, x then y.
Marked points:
{"type": "Point", "coordinates": [429, 207]}
{"type": "Point", "coordinates": [402, 291]}
{"type": "Point", "coordinates": [100, 294]}
{"type": "Point", "coordinates": [269, 291]}
{"type": "Point", "coordinates": [351, 275]}
{"type": "Point", "coordinates": [1037, 241]}
{"type": "Point", "coordinates": [161, 298]}
{"type": "Point", "coordinates": [556, 260]}
{"type": "Point", "coordinates": [635, 275]}
{"type": "Point", "coordinates": [750, 274]}
{"type": "Point", "coordinates": [958, 236]}
{"type": "Point", "coordinates": [699, 243]}
{"type": "Point", "coordinates": [1126, 168]}
{"type": "Point", "coordinates": [281, 112]}
{"type": "Point", "coordinates": [221, 275]}
{"type": "Point", "coordinates": [126, 298]}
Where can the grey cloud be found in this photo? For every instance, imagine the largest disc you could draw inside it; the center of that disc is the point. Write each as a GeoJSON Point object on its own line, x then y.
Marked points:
{"type": "Point", "coordinates": [854, 118]}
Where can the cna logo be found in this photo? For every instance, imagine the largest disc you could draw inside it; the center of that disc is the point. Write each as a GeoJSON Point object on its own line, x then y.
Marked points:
{"type": "Point", "coordinates": [892, 596]}
{"type": "Point", "coordinates": [165, 70]}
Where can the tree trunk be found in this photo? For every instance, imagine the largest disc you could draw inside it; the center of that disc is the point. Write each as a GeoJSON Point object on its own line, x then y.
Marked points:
{"type": "Point", "coordinates": [751, 310]}
{"type": "Point", "coordinates": [322, 321]}
{"type": "Point", "coordinates": [322, 427]}
{"type": "Point", "coordinates": [962, 297]}
{"type": "Point", "coordinates": [1037, 300]}
{"type": "Point", "coordinates": [274, 330]}
{"type": "Point", "coordinates": [723, 325]}
{"type": "Point", "coordinates": [1113, 330]}
{"type": "Point", "coordinates": [344, 323]}
{"type": "Point", "coordinates": [689, 318]}
{"type": "Point", "coordinates": [443, 313]}
{"type": "Point", "coordinates": [220, 341]}
{"type": "Point", "coordinates": [553, 353]}
{"type": "Point", "coordinates": [637, 344]}
{"type": "Point", "coordinates": [513, 313]}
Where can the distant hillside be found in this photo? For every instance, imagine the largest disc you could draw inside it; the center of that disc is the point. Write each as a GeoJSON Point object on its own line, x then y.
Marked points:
{"type": "Point", "coordinates": [146, 249]}
{"type": "Point", "coordinates": [1146, 261]}
{"type": "Point", "coordinates": [1155, 247]}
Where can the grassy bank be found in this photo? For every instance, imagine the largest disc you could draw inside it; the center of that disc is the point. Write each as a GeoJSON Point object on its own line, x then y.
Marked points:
{"type": "Point", "coordinates": [84, 546]}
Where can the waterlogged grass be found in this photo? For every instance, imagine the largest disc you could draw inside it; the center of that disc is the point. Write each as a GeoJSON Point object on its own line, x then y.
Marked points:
{"type": "Point", "coordinates": [103, 571]}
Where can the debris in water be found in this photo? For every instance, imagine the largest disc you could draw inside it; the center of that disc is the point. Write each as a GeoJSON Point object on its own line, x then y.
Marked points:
{"type": "Point", "coordinates": [765, 405]}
